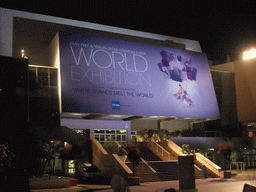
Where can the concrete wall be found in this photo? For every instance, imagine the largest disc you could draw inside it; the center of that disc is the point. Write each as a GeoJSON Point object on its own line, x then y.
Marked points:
{"type": "Point", "coordinates": [54, 52]}
{"type": "Point", "coordinates": [178, 124]}
{"type": "Point", "coordinates": [245, 85]}
{"type": "Point", "coordinates": [211, 142]}
{"type": "Point", "coordinates": [7, 17]}
{"type": "Point", "coordinates": [138, 125]}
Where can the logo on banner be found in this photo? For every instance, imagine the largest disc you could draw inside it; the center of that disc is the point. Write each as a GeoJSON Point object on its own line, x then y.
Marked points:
{"type": "Point", "coordinates": [116, 105]}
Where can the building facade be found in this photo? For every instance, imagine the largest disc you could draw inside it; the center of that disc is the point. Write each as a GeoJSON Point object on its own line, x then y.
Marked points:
{"type": "Point", "coordinates": [37, 36]}
{"type": "Point", "coordinates": [33, 36]}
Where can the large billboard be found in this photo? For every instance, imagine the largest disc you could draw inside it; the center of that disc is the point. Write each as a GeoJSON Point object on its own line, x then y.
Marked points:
{"type": "Point", "coordinates": [113, 76]}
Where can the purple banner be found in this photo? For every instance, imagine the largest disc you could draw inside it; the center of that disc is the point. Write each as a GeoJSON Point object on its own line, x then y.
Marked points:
{"type": "Point", "coordinates": [110, 76]}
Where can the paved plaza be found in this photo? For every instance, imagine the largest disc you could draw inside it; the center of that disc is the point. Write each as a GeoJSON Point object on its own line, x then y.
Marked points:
{"type": "Point", "coordinates": [234, 184]}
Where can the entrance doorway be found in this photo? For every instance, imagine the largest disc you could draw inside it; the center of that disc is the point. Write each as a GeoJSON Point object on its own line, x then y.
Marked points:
{"type": "Point", "coordinates": [104, 136]}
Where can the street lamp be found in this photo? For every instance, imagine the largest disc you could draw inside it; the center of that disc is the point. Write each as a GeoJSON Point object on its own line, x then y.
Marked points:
{"type": "Point", "coordinates": [249, 54]}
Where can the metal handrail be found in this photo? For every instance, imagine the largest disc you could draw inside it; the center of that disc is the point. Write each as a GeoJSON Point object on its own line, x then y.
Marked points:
{"type": "Point", "coordinates": [197, 167]}
{"type": "Point", "coordinates": [151, 168]}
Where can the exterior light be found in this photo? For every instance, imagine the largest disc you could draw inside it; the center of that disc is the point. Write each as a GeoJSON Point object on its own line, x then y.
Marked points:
{"type": "Point", "coordinates": [249, 54]}
{"type": "Point", "coordinates": [22, 53]}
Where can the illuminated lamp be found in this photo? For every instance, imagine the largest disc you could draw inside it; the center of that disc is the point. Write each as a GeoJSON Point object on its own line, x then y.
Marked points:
{"type": "Point", "coordinates": [249, 54]}
{"type": "Point", "coordinates": [250, 134]}
{"type": "Point", "coordinates": [22, 53]}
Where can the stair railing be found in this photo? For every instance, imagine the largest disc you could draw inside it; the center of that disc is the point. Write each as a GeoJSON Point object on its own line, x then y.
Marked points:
{"type": "Point", "coordinates": [174, 147]}
{"type": "Point", "coordinates": [145, 162]}
{"type": "Point", "coordinates": [199, 157]}
{"type": "Point", "coordinates": [197, 167]}
{"type": "Point", "coordinates": [156, 148]}
{"type": "Point", "coordinates": [121, 167]}
{"type": "Point", "coordinates": [110, 163]}
{"type": "Point", "coordinates": [209, 164]}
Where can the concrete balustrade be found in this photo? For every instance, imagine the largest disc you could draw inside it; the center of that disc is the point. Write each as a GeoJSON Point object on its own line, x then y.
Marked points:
{"type": "Point", "coordinates": [159, 150]}
{"type": "Point", "coordinates": [110, 164]}
{"type": "Point", "coordinates": [198, 157]}
{"type": "Point", "coordinates": [209, 164]}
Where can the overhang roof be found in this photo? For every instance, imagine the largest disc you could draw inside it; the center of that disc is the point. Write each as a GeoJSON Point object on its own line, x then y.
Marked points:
{"type": "Point", "coordinates": [90, 116]}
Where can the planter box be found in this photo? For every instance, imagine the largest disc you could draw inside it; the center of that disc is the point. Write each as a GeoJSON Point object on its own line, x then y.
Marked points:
{"type": "Point", "coordinates": [49, 184]}
{"type": "Point", "coordinates": [225, 174]}
{"type": "Point", "coordinates": [133, 181]}
{"type": "Point", "coordinates": [188, 190]}
{"type": "Point", "coordinates": [73, 182]}
{"type": "Point", "coordinates": [186, 172]}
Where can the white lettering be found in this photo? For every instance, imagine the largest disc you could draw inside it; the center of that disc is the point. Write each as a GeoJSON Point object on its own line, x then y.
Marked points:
{"type": "Point", "coordinates": [81, 52]}
{"type": "Point", "coordinates": [118, 62]}
{"type": "Point", "coordinates": [140, 63]}
{"type": "Point", "coordinates": [102, 59]}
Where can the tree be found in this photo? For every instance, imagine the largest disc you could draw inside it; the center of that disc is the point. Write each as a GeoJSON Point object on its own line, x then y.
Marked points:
{"type": "Point", "coordinates": [134, 156]}
{"type": "Point", "coordinates": [51, 151]}
{"type": "Point", "coordinates": [224, 153]}
{"type": "Point", "coordinates": [19, 158]}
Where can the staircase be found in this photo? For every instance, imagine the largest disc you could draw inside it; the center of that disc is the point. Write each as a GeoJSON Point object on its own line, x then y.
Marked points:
{"type": "Point", "coordinates": [165, 170]}
{"type": "Point", "coordinates": [199, 172]}
{"type": "Point", "coordinates": [145, 173]}
{"type": "Point", "coordinates": [152, 168]}
{"type": "Point", "coordinates": [148, 155]}
{"type": "Point", "coordinates": [213, 170]}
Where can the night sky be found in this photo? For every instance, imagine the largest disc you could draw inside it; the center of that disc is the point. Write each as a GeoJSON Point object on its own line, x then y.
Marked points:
{"type": "Point", "coordinates": [222, 29]}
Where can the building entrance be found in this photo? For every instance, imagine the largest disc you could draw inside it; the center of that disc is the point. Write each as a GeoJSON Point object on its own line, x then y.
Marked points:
{"type": "Point", "coordinates": [104, 136]}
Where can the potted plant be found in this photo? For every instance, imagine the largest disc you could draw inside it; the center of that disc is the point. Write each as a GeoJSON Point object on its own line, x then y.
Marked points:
{"type": "Point", "coordinates": [224, 153]}
{"type": "Point", "coordinates": [134, 156]}
{"type": "Point", "coordinates": [186, 149]}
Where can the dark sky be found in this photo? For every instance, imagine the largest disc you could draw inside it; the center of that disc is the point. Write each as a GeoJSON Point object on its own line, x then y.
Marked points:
{"type": "Point", "coordinates": [222, 29]}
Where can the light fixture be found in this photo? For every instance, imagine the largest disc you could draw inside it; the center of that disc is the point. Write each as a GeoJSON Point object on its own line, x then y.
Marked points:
{"type": "Point", "coordinates": [249, 54]}
{"type": "Point", "coordinates": [22, 53]}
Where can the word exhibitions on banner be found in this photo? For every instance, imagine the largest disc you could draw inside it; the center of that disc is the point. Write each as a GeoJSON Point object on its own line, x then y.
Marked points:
{"type": "Point", "coordinates": [107, 66]}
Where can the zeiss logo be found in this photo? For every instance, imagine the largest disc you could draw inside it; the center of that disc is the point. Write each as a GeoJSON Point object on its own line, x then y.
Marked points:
{"type": "Point", "coordinates": [116, 105]}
